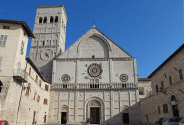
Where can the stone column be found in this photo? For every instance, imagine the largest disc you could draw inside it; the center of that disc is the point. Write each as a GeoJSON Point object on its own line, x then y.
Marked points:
{"type": "Point", "coordinates": [111, 71]}
{"type": "Point", "coordinates": [53, 71]}
{"type": "Point", "coordinates": [112, 104]}
{"type": "Point", "coordinates": [76, 72]}
{"type": "Point", "coordinates": [76, 105]}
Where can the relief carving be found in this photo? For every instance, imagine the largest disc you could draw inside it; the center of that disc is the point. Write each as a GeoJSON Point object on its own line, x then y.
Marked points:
{"type": "Point", "coordinates": [94, 103]}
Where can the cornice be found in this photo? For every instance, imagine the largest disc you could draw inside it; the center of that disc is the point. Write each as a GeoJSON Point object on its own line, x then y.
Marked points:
{"type": "Point", "coordinates": [92, 89]}
{"type": "Point", "coordinates": [95, 59]}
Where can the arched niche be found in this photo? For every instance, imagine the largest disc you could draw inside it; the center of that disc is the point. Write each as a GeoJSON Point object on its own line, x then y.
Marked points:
{"type": "Point", "coordinates": [100, 40]}
{"type": "Point", "coordinates": [95, 102]}
{"type": "Point", "coordinates": [95, 47]}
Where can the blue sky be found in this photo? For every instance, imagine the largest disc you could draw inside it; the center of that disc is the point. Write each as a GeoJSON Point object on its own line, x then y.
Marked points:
{"type": "Point", "coordinates": [150, 30]}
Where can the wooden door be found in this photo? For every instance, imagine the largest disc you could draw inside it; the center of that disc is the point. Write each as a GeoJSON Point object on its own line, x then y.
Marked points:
{"type": "Point", "coordinates": [95, 115]}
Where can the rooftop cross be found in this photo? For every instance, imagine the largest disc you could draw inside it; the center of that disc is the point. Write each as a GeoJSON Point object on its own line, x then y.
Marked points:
{"type": "Point", "coordinates": [93, 24]}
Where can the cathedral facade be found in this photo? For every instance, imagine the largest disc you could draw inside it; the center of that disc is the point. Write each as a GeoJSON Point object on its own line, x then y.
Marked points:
{"type": "Point", "coordinates": [93, 81]}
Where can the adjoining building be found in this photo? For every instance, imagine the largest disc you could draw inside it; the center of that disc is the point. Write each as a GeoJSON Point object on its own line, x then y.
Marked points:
{"type": "Point", "coordinates": [168, 90]}
{"type": "Point", "coordinates": [24, 93]}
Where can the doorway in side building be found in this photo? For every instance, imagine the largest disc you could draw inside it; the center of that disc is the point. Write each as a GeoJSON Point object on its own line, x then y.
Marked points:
{"type": "Point", "coordinates": [126, 118]}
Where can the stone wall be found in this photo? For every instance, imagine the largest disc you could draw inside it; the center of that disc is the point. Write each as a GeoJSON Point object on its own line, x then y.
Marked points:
{"type": "Point", "coordinates": [112, 105]}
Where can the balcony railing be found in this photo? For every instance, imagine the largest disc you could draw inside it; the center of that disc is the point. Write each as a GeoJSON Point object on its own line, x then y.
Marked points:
{"type": "Point", "coordinates": [20, 75]}
{"type": "Point", "coordinates": [94, 86]}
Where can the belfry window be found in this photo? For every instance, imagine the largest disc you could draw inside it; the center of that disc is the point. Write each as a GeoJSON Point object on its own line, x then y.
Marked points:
{"type": "Point", "coordinates": [45, 20]}
{"type": "Point", "coordinates": [40, 20]}
{"type": "Point", "coordinates": [56, 19]}
{"type": "Point", "coordinates": [51, 19]}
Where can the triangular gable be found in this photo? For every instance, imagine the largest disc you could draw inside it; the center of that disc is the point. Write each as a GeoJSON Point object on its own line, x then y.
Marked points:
{"type": "Point", "coordinates": [111, 49]}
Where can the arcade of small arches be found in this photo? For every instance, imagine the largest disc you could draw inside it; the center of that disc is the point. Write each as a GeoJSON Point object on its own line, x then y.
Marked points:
{"type": "Point", "coordinates": [52, 19]}
{"type": "Point", "coordinates": [45, 43]}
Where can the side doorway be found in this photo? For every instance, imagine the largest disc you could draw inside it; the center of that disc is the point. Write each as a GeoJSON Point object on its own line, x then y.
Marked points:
{"type": "Point", "coordinates": [126, 118]}
{"type": "Point", "coordinates": [63, 117]}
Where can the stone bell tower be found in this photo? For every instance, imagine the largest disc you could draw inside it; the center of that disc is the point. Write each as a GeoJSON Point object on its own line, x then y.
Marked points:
{"type": "Point", "coordinates": [50, 33]}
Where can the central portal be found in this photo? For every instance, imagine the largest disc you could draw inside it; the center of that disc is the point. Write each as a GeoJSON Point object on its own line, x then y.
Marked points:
{"type": "Point", "coordinates": [95, 115]}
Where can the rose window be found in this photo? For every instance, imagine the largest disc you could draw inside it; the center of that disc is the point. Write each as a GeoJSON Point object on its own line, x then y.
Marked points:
{"type": "Point", "coordinates": [123, 77]}
{"type": "Point", "coordinates": [94, 70]}
{"type": "Point", "coordinates": [65, 78]}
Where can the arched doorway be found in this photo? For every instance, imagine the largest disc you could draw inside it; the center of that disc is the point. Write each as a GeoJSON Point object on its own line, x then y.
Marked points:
{"type": "Point", "coordinates": [64, 114]}
{"type": "Point", "coordinates": [174, 106]}
{"type": "Point", "coordinates": [94, 111]}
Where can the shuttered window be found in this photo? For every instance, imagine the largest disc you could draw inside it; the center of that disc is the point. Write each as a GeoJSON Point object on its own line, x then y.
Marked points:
{"type": "Point", "coordinates": [22, 47]}
{"type": "Point", "coordinates": [3, 39]}
{"type": "Point", "coordinates": [0, 61]}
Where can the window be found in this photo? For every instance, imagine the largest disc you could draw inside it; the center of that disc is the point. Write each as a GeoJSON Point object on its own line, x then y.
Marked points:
{"type": "Point", "coordinates": [36, 79]}
{"type": "Point", "coordinates": [156, 88]}
{"type": "Point", "coordinates": [170, 80]}
{"type": "Point", "coordinates": [64, 85]}
{"type": "Point", "coordinates": [3, 39]}
{"type": "Point", "coordinates": [40, 83]}
{"type": "Point", "coordinates": [123, 85]}
{"type": "Point", "coordinates": [93, 56]}
{"type": "Point", "coordinates": [158, 109]}
{"type": "Point", "coordinates": [45, 101]}
{"type": "Point", "coordinates": [6, 27]}
{"type": "Point", "coordinates": [173, 98]}
{"type": "Point", "coordinates": [51, 19]}
{"type": "Point", "coordinates": [46, 87]}
{"type": "Point", "coordinates": [38, 98]}
{"type": "Point", "coordinates": [1, 86]}
{"type": "Point", "coordinates": [0, 61]}
{"type": "Point", "coordinates": [45, 119]}
{"type": "Point", "coordinates": [40, 20]}
{"type": "Point", "coordinates": [27, 91]}
{"type": "Point", "coordinates": [165, 108]}
{"type": "Point", "coordinates": [43, 43]}
{"type": "Point", "coordinates": [94, 85]}
{"type": "Point", "coordinates": [162, 84]}
{"type": "Point", "coordinates": [22, 47]}
{"type": "Point", "coordinates": [30, 71]}
{"type": "Point", "coordinates": [34, 95]}
{"type": "Point", "coordinates": [56, 19]}
{"type": "Point", "coordinates": [181, 74]}
{"type": "Point", "coordinates": [45, 20]}
{"type": "Point", "coordinates": [141, 91]}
